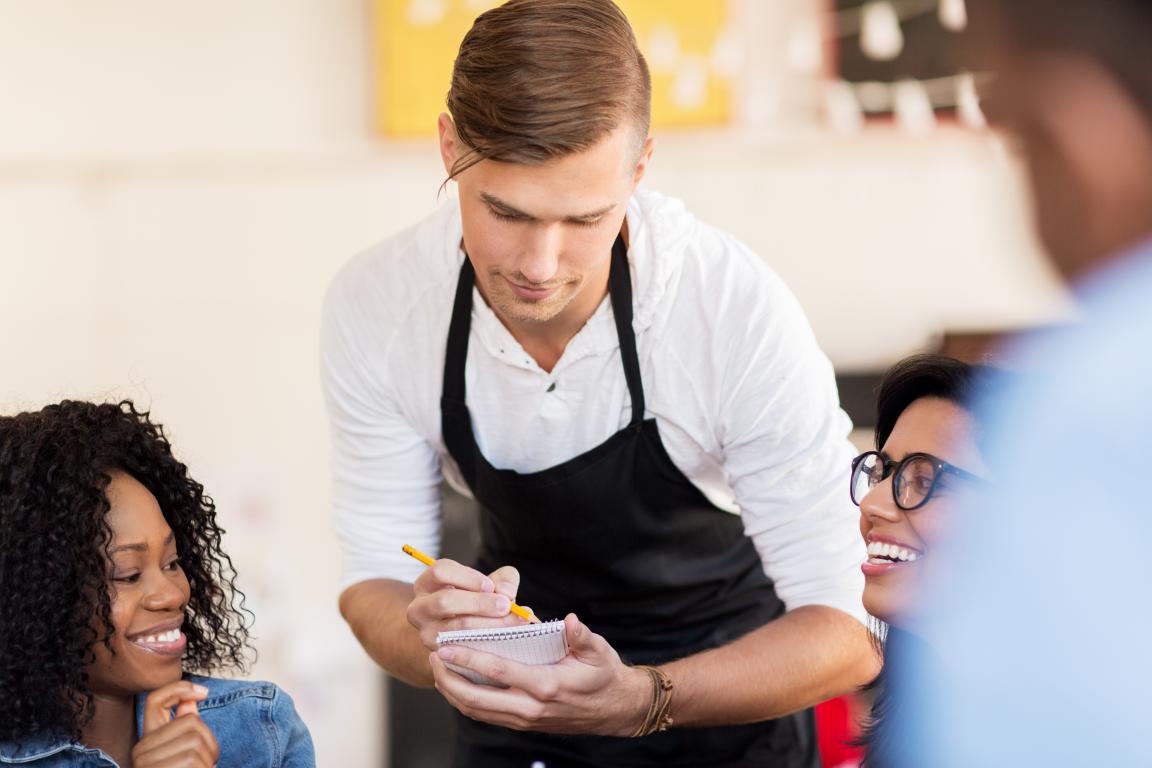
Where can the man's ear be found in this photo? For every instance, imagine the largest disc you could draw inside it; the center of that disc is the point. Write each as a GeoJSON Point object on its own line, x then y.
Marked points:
{"type": "Point", "coordinates": [642, 164]}
{"type": "Point", "coordinates": [449, 144]}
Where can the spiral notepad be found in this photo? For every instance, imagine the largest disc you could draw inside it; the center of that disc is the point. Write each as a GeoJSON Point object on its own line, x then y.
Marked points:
{"type": "Point", "coordinates": [527, 644]}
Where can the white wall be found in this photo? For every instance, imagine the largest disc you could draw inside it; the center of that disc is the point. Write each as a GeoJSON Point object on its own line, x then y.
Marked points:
{"type": "Point", "coordinates": [178, 180]}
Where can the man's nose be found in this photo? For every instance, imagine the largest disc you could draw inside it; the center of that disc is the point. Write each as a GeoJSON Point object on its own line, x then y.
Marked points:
{"type": "Point", "coordinates": [541, 257]}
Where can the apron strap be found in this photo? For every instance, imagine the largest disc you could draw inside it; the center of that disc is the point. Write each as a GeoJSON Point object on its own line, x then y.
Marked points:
{"type": "Point", "coordinates": [458, 330]}
{"type": "Point", "coordinates": [620, 289]}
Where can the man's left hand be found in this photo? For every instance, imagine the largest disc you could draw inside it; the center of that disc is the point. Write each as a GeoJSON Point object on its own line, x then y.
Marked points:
{"type": "Point", "coordinates": [590, 691]}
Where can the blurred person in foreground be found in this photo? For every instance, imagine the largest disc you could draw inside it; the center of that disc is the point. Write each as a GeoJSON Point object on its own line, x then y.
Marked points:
{"type": "Point", "coordinates": [1040, 628]}
{"type": "Point", "coordinates": [114, 590]}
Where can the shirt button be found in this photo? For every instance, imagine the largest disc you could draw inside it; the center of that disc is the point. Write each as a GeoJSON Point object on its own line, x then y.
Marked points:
{"type": "Point", "coordinates": [552, 387]}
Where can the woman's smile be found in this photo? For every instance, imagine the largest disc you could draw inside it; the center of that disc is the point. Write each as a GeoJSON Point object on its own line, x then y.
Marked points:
{"type": "Point", "coordinates": [163, 639]}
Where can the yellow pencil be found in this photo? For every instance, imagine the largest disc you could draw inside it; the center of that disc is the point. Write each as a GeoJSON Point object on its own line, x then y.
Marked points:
{"type": "Point", "coordinates": [523, 613]}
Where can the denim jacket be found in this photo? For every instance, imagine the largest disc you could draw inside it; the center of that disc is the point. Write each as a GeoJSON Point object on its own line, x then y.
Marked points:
{"type": "Point", "coordinates": [254, 723]}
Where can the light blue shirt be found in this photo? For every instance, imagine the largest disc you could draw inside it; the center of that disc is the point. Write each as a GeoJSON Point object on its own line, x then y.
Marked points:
{"type": "Point", "coordinates": [255, 724]}
{"type": "Point", "coordinates": [1041, 620]}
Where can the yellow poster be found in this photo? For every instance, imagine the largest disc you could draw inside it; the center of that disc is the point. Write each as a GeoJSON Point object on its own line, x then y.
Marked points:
{"type": "Point", "coordinates": [689, 48]}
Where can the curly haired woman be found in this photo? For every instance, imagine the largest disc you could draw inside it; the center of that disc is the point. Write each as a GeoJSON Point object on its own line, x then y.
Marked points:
{"type": "Point", "coordinates": [113, 590]}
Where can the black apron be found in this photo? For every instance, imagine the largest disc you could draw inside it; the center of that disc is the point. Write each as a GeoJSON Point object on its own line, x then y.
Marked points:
{"type": "Point", "coordinates": [621, 538]}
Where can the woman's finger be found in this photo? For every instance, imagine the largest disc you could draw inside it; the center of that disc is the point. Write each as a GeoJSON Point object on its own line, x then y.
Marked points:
{"type": "Point", "coordinates": [158, 705]}
{"type": "Point", "coordinates": [186, 738]}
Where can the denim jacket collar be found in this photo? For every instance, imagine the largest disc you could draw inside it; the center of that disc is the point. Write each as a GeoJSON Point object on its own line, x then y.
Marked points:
{"type": "Point", "coordinates": [37, 748]}
{"type": "Point", "coordinates": [34, 749]}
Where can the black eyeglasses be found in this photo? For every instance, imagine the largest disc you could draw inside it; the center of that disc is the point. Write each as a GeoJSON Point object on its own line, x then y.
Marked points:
{"type": "Point", "coordinates": [914, 478]}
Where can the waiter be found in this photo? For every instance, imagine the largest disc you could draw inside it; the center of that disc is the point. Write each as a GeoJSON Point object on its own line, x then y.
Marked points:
{"type": "Point", "coordinates": [636, 403]}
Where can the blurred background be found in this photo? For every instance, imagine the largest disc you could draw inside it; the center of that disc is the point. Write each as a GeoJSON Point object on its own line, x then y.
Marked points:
{"type": "Point", "coordinates": [179, 180]}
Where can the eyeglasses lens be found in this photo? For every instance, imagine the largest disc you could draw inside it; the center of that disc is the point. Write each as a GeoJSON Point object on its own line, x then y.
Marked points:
{"type": "Point", "coordinates": [914, 482]}
{"type": "Point", "coordinates": [869, 472]}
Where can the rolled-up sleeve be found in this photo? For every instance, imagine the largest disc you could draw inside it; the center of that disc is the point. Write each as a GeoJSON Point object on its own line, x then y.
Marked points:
{"type": "Point", "coordinates": [386, 476]}
{"type": "Point", "coordinates": [785, 446]}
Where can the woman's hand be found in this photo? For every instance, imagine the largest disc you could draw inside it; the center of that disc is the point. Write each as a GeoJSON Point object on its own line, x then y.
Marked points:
{"type": "Point", "coordinates": [180, 742]}
{"type": "Point", "coordinates": [453, 596]}
{"type": "Point", "coordinates": [590, 691]}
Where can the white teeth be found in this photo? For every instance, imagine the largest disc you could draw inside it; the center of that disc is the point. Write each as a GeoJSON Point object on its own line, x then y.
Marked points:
{"type": "Point", "coordinates": [882, 549]}
{"type": "Point", "coordinates": [170, 636]}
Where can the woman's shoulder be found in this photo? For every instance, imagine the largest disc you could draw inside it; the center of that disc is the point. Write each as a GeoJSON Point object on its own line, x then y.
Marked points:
{"type": "Point", "coordinates": [255, 722]}
{"type": "Point", "coordinates": [222, 692]}
{"type": "Point", "coordinates": [225, 696]}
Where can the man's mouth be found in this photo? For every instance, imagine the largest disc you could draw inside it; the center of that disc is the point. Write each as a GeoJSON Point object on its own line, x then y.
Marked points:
{"type": "Point", "coordinates": [531, 292]}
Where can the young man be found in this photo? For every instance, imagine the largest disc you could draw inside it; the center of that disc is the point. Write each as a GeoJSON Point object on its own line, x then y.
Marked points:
{"type": "Point", "coordinates": [638, 406]}
{"type": "Point", "coordinates": [1041, 624]}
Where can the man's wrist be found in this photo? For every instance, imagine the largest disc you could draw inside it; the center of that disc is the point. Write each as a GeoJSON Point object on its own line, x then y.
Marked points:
{"type": "Point", "coordinates": [658, 716]}
{"type": "Point", "coordinates": [635, 701]}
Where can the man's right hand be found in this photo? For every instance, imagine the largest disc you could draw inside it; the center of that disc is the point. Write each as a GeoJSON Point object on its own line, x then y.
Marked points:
{"type": "Point", "coordinates": [453, 596]}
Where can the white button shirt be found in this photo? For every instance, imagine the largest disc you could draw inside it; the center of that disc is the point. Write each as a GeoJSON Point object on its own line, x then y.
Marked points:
{"type": "Point", "coordinates": [744, 399]}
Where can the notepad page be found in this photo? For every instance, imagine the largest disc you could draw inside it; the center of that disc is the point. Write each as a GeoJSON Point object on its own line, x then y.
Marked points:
{"type": "Point", "coordinates": [544, 643]}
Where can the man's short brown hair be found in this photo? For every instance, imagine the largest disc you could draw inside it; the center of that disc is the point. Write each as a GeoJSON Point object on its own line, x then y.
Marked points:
{"type": "Point", "coordinates": [540, 79]}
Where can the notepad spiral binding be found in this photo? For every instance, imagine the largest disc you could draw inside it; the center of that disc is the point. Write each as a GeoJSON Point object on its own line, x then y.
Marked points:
{"type": "Point", "coordinates": [500, 633]}
{"type": "Point", "coordinates": [533, 644]}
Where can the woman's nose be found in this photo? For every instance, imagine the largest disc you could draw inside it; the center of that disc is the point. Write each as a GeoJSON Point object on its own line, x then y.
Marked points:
{"type": "Point", "coordinates": [878, 503]}
{"type": "Point", "coordinates": [165, 593]}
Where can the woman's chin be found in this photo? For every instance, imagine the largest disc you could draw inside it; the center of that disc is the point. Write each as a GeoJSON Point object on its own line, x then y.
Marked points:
{"type": "Point", "coordinates": [145, 682]}
{"type": "Point", "coordinates": [880, 604]}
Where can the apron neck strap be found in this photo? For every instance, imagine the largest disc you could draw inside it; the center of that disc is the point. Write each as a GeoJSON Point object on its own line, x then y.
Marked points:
{"type": "Point", "coordinates": [456, 354]}
{"type": "Point", "coordinates": [620, 289]}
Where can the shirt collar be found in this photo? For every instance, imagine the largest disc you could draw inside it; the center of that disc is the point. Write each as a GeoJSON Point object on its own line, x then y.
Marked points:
{"type": "Point", "coordinates": [656, 233]}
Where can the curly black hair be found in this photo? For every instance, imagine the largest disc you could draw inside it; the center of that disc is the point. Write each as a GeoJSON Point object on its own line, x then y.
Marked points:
{"type": "Point", "coordinates": [55, 467]}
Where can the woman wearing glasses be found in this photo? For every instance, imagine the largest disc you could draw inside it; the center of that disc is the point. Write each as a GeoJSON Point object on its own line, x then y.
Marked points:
{"type": "Point", "coordinates": [927, 450]}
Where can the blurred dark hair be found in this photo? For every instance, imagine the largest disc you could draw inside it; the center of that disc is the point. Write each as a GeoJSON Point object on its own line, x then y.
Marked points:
{"type": "Point", "coordinates": [926, 376]}
{"type": "Point", "coordinates": [1115, 33]}
{"type": "Point", "coordinates": [55, 467]}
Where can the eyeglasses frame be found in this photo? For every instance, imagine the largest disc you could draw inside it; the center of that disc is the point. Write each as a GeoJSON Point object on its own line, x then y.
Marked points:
{"type": "Point", "coordinates": [893, 468]}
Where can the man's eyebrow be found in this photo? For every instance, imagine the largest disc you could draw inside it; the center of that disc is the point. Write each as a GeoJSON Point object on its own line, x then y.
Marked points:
{"type": "Point", "coordinates": [139, 546]}
{"type": "Point", "coordinates": [510, 210]}
{"type": "Point", "coordinates": [594, 214]}
{"type": "Point", "coordinates": [504, 207]}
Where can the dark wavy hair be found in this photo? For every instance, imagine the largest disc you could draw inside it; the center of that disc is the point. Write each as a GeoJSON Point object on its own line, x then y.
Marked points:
{"type": "Point", "coordinates": [55, 467]}
{"type": "Point", "coordinates": [904, 383]}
